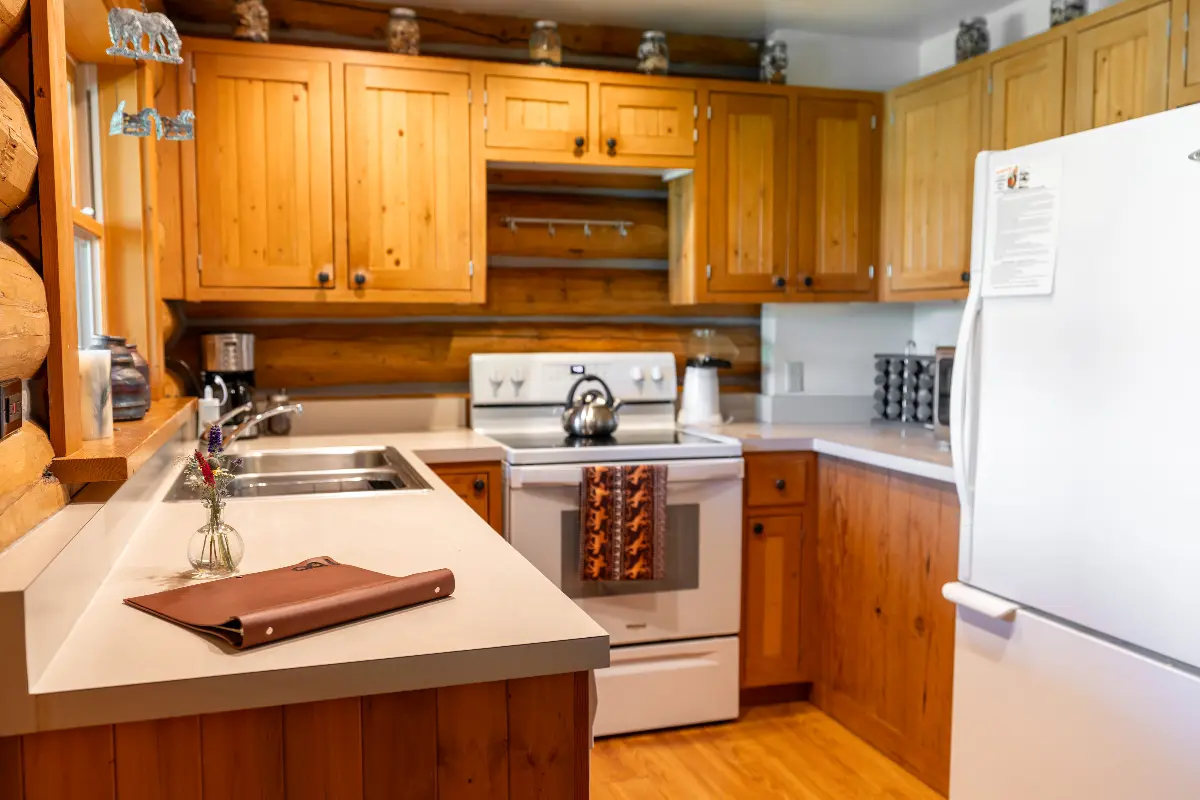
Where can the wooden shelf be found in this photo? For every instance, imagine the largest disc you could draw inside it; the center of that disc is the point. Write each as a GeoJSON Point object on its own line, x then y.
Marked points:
{"type": "Point", "coordinates": [132, 444]}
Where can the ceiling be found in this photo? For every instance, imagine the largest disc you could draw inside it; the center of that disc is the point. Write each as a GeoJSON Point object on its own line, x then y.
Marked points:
{"type": "Point", "coordinates": [893, 19]}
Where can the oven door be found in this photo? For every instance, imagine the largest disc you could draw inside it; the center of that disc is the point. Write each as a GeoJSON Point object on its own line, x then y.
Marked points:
{"type": "Point", "coordinates": [701, 593]}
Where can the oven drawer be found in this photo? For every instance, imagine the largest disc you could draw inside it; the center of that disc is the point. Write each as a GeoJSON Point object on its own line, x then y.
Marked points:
{"type": "Point", "coordinates": [778, 479]}
{"type": "Point", "coordinates": [665, 685]}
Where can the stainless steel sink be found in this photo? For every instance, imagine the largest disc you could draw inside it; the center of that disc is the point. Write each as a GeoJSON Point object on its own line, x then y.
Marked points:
{"type": "Point", "coordinates": [326, 470]}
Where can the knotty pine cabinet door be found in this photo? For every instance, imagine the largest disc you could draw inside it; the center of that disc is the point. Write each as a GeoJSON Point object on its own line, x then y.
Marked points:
{"type": "Point", "coordinates": [1025, 97]}
{"type": "Point", "coordinates": [773, 600]}
{"type": "Point", "coordinates": [934, 133]}
{"type": "Point", "coordinates": [643, 121]}
{"type": "Point", "coordinates": [1185, 53]}
{"type": "Point", "coordinates": [544, 116]}
{"type": "Point", "coordinates": [1121, 68]}
{"type": "Point", "coordinates": [265, 174]}
{"type": "Point", "coordinates": [748, 203]}
{"type": "Point", "coordinates": [408, 167]}
{"type": "Point", "coordinates": [837, 196]}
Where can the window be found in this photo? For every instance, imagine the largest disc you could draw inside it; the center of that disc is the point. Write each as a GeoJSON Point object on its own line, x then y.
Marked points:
{"type": "Point", "coordinates": [86, 201]}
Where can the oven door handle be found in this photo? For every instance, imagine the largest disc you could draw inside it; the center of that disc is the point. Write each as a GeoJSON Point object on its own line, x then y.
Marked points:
{"type": "Point", "coordinates": [677, 472]}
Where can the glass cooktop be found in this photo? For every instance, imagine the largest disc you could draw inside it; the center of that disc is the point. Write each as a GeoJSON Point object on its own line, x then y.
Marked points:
{"type": "Point", "coordinates": [553, 440]}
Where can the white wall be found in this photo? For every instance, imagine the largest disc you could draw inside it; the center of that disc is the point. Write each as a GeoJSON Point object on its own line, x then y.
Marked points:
{"type": "Point", "coordinates": [831, 346]}
{"type": "Point", "coordinates": [1014, 22]}
{"type": "Point", "coordinates": [848, 62]}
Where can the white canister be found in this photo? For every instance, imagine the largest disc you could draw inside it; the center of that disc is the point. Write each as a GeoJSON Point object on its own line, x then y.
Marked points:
{"type": "Point", "coordinates": [95, 394]}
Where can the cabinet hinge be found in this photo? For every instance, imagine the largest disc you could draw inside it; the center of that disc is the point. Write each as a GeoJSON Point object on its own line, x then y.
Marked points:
{"type": "Point", "coordinates": [1185, 54]}
{"type": "Point", "coordinates": [193, 76]}
{"type": "Point", "coordinates": [695, 135]}
{"type": "Point", "coordinates": [1186, 22]}
{"type": "Point", "coordinates": [871, 272]}
{"type": "Point", "coordinates": [485, 97]}
{"type": "Point", "coordinates": [471, 269]}
{"type": "Point", "coordinates": [989, 85]}
{"type": "Point", "coordinates": [710, 112]}
{"type": "Point", "coordinates": [1168, 27]}
{"type": "Point", "coordinates": [468, 97]}
{"type": "Point", "coordinates": [199, 262]}
{"type": "Point", "coordinates": [485, 122]}
{"type": "Point", "coordinates": [708, 271]}
{"type": "Point", "coordinates": [889, 270]}
{"type": "Point", "coordinates": [892, 119]}
{"type": "Point", "coordinates": [872, 122]}
{"type": "Point", "coordinates": [695, 112]}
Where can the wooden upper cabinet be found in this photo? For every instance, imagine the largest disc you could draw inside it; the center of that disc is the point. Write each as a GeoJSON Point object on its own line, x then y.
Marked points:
{"type": "Point", "coordinates": [1025, 104]}
{"type": "Point", "coordinates": [748, 193]}
{"type": "Point", "coordinates": [1121, 68]}
{"type": "Point", "coordinates": [540, 114]}
{"type": "Point", "coordinates": [837, 196]}
{"type": "Point", "coordinates": [265, 176]}
{"type": "Point", "coordinates": [408, 169]}
{"type": "Point", "coordinates": [1185, 53]}
{"type": "Point", "coordinates": [771, 628]}
{"type": "Point", "coordinates": [642, 121]}
{"type": "Point", "coordinates": [933, 136]}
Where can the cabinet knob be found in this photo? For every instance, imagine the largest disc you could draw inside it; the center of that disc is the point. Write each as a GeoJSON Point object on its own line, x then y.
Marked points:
{"type": "Point", "coordinates": [579, 142]}
{"type": "Point", "coordinates": [807, 281]}
{"type": "Point", "coordinates": [780, 281]}
{"type": "Point", "coordinates": [479, 485]}
{"type": "Point", "coordinates": [360, 278]}
{"type": "Point", "coordinates": [612, 146]}
{"type": "Point", "coordinates": [323, 277]}
{"type": "Point", "coordinates": [781, 484]}
{"type": "Point", "coordinates": [966, 277]}
{"type": "Point", "coordinates": [758, 527]}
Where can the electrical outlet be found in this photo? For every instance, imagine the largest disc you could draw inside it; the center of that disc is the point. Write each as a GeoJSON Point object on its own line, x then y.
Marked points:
{"type": "Point", "coordinates": [794, 377]}
{"type": "Point", "coordinates": [10, 407]}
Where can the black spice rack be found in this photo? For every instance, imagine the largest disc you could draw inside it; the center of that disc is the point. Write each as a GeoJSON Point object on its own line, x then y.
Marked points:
{"type": "Point", "coordinates": [903, 387]}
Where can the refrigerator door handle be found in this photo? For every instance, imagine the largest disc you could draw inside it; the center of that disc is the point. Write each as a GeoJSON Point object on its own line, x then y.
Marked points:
{"type": "Point", "coordinates": [989, 605]}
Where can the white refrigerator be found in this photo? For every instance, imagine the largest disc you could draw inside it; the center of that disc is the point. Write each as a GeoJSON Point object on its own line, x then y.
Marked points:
{"type": "Point", "coordinates": [1076, 438]}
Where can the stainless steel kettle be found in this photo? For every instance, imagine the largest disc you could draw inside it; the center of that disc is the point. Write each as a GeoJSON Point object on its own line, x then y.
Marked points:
{"type": "Point", "coordinates": [594, 414]}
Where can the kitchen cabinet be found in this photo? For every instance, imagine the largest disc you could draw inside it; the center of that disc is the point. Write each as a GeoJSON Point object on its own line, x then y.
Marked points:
{"type": "Point", "coordinates": [934, 133]}
{"type": "Point", "coordinates": [1121, 68]}
{"type": "Point", "coordinates": [264, 180]}
{"type": "Point", "coordinates": [647, 121]}
{"type": "Point", "coordinates": [479, 485]}
{"type": "Point", "coordinates": [1025, 96]}
{"type": "Point", "coordinates": [748, 194]}
{"type": "Point", "coordinates": [886, 544]}
{"type": "Point", "coordinates": [1185, 52]}
{"type": "Point", "coordinates": [409, 175]}
{"type": "Point", "coordinates": [779, 578]}
{"type": "Point", "coordinates": [838, 196]}
{"type": "Point", "coordinates": [546, 116]}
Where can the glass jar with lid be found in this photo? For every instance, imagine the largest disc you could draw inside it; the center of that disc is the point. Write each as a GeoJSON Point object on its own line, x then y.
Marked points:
{"type": "Point", "coordinates": [404, 35]}
{"type": "Point", "coordinates": [654, 57]}
{"type": "Point", "coordinates": [545, 45]}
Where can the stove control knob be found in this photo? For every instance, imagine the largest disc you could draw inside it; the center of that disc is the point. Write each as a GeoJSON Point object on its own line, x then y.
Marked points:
{"type": "Point", "coordinates": [518, 379]}
{"type": "Point", "coordinates": [637, 374]}
{"type": "Point", "coordinates": [656, 374]}
{"type": "Point", "coordinates": [496, 379]}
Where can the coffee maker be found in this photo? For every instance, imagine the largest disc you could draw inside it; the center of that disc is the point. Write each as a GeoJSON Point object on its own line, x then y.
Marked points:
{"type": "Point", "coordinates": [228, 361]}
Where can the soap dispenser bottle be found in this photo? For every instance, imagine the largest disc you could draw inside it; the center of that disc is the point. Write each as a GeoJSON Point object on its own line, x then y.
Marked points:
{"type": "Point", "coordinates": [209, 412]}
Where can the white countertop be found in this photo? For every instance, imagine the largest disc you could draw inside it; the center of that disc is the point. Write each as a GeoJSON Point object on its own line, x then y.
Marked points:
{"type": "Point", "coordinates": [912, 450]}
{"type": "Point", "coordinates": [505, 619]}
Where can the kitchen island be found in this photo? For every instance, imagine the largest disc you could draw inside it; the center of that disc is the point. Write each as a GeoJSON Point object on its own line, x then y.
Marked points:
{"type": "Point", "coordinates": [483, 694]}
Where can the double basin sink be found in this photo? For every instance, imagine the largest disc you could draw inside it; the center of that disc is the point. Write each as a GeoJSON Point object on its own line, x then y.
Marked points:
{"type": "Point", "coordinates": [326, 470]}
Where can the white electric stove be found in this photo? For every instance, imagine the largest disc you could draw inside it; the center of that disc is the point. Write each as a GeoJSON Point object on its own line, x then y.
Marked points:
{"type": "Point", "coordinates": [675, 646]}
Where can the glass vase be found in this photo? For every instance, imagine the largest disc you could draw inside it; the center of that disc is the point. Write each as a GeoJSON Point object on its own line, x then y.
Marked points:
{"type": "Point", "coordinates": [216, 548]}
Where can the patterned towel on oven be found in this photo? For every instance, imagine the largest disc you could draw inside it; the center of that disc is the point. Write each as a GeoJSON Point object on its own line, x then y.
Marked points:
{"type": "Point", "coordinates": [623, 523]}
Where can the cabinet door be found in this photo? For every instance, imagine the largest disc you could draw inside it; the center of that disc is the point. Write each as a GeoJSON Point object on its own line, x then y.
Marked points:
{"type": "Point", "coordinates": [1026, 101]}
{"type": "Point", "coordinates": [408, 169]}
{"type": "Point", "coordinates": [265, 176]}
{"type": "Point", "coordinates": [772, 602]}
{"type": "Point", "coordinates": [636, 121]}
{"type": "Point", "coordinates": [536, 114]}
{"type": "Point", "coordinates": [1185, 53]}
{"type": "Point", "coordinates": [836, 196]}
{"type": "Point", "coordinates": [748, 193]}
{"type": "Point", "coordinates": [1121, 68]}
{"type": "Point", "coordinates": [479, 486]}
{"type": "Point", "coordinates": [930, 152]}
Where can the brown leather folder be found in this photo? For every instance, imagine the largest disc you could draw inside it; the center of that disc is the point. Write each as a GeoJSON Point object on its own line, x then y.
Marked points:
{"type": "Point", "coordinates": [249, 610]}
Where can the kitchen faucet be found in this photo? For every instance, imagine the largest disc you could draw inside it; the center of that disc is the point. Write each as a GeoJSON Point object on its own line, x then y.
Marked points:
{"type": "Point", "coordinates": [290, 408]}
{"type": "Point", "coordinates": [220, 422]}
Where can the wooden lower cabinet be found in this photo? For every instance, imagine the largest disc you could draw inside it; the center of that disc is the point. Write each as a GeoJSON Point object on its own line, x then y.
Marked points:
{"type": "Point", "coordinates": [480, 485]}
{"type": "Point", "coordinates": [522, 738]}
{"type": "Point", "coordinates": [1185, 53]}
{"type": "Point", "coordinates": [886, 544]}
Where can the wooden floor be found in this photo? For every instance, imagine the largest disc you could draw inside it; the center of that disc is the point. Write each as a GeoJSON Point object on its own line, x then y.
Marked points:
{"type": "Point", "coordinates": [782, 751]}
